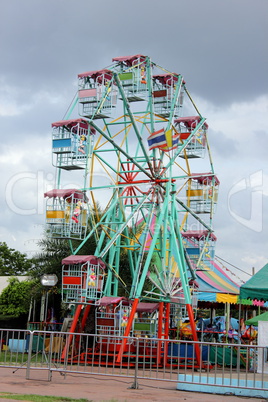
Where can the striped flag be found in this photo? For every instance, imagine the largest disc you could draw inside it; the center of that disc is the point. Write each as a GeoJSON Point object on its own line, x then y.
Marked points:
{"type": "Point", "coordinates": [157, 139]}
{"type": "Point", "coordinates": [163, 140]}
{"type": "Point", "coordinates": [171, 141]}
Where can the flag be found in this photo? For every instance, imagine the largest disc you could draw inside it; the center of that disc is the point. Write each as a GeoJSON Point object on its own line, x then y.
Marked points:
{"type": "Point", "coordinates": [157, 139]}
{"type": "Point", "coordinates": [171, 141]}
{"type": "Point", "coordinates": [168, 135]}
{"type": "Point", "coordinates": [163, 140]}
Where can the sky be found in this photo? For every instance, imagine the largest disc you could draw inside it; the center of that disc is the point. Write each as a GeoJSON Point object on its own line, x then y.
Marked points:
{"type": "Point", "coordinates": [220, 48]}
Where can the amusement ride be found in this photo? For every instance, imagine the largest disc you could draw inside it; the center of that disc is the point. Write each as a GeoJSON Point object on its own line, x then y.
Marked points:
{"type": "Point", "coordinates": [141, 148]}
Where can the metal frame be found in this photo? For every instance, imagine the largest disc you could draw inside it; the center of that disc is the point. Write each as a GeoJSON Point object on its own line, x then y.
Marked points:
{"type": "Point", "coordinates": [145, 186]}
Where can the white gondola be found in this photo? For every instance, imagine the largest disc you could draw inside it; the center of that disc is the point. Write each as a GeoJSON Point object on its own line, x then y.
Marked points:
{"type": "Point", "coordinates": [66, 214]}
{"type": "Point", "coordinates": [112, 316]}
{"type": "Point", "coordinates": [164, 87]}
{"type": "Point", "coordinates": [133, 78]}
{"type": "Point", "coordinates": [199, 245]}
{"type": "Point", "coordinates": [71, 140]}
{"type": "Point", "coordinates": [97, 95]}
{"type": "Point", "coordinates": [193, 137]}
{"type": "Point", "coordinates": [82, 278]}
{"type": "Point", "coordinates": [202, 193]}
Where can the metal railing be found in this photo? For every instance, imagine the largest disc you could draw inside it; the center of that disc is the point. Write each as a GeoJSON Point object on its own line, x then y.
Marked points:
{"type": "Point", "coordinates": [179, 361]}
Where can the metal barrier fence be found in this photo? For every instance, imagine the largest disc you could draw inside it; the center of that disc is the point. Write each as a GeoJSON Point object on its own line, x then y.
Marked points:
{"type": "Point", "coordinates": [220, 364]}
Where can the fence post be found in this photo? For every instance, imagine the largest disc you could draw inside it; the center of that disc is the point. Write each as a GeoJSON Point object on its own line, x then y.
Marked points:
{"type": "Point", "coordinates": [30, 347]}
{"type": "Point", "coordinates": [51, 341]}
{"type": "Point", "coordinates": [135, 384]}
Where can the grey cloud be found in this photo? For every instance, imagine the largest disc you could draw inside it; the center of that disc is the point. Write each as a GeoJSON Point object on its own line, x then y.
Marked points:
{"type": "Point", "coordinates": [222, 146]}
{"type": "Point", "coordinates": [219, 47]}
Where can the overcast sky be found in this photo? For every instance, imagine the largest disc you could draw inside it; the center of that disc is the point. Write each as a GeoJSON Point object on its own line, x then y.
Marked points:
{"type": "Point", "coordinates": [220, 48]}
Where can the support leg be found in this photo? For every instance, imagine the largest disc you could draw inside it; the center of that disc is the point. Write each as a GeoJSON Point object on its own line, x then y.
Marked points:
{"type": "Point", "coordinates": [72, 329]}
{"type": "Point", "coordinates": [127, 330]}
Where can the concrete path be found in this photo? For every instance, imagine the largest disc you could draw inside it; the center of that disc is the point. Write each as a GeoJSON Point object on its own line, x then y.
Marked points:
{"type": "Point", "coordinates": [102, 389]}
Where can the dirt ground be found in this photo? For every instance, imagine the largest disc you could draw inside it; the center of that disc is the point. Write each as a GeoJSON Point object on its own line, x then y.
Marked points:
{"type": "Point", "coordinates": [102, 389]}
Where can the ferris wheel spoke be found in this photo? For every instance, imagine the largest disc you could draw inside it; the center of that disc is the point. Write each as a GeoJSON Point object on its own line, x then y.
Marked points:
{"type": "Point", "coordinates": [118, 148]}
{"type": "Point", "coordinates": [184, 145]}
{"type": "Point", "coordinates": [136, 130]}
{"type": "Point", "coordinates": [124, 225]}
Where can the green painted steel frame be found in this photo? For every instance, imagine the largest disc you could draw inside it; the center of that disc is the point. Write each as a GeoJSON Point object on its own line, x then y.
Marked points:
{"type": "Point", "coordinates": [115, 224]}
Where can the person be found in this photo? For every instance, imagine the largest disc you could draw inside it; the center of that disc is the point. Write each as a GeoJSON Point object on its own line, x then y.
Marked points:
{"type": "Point", "coordinates": [53, 324]}
{"type": "Point", "coordinates": [200, 326]}
{"type": "Point", "coordinates": [200, 323]}
{"type": "Point", "coordinates": [242, 326]}
{"type": "Point", "coordinates": [82, 144]}
{"type": "Point", "coordinates": [77, 211]}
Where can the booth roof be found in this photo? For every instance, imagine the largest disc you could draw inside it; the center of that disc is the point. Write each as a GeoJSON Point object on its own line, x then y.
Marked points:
{"type": "Point", "coordinates": [70, 123]}
{"type": "Point", "coordinates": [199, 234]}
{"type": "Point", "coordinates": [78, 194]}
{"type": "Point", "coordinates": [257, 286]}
{"type": "Point", "coordinates": [147, 307]}
{"type": "Point", "coordinates": [130, 59]}
{"type": "Point", "coordinates": [254, 321]}
{"type": "Point", "coordinates": [141, 308]}
{"type": "Point", "coordinates": [205, 178]}
{"type": "Point", "coordinates": [96, 73]}
{"type": "Point", "coordinates": [190, 120]}
{"type": "Point", "coordinates": [106, 300]}
{"type": "Point", "coordinates": [82, 259]}
{"type": "Point", "coordinates": [164, 78]}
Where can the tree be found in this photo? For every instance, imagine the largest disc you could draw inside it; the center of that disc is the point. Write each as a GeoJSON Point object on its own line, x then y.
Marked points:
{"type": "Point", "coordinates": [49, 261]}
{"type": "Point", "coordinates": [16, 297]}
{"type": "Point", "coordinates": [13, 262]}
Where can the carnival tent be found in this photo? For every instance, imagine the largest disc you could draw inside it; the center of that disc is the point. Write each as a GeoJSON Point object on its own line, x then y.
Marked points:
{"type": "Point", "coordinates": [215, 285]}
{"type": "Point", "coordinates": [255, 320]}
{"type": "Point", "coordinates": [257, 286]}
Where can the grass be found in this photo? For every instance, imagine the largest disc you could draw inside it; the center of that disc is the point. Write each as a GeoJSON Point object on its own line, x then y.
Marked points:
{"type": "Point", "coordinates": [8, 357]}
{"type": "Point", "coordinates": [13, 357]}
{"type": "Point", "coordinates": [40, 398]}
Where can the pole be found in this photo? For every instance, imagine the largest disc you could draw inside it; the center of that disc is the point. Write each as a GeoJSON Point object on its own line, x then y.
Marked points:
{"type": "Point", "coordinates": [166, 332]}
{"type": "Point", "coordinates": [135, 384]}
{"type": "Point", "coordinates": [127, 331]}
{"type": "Point", "coordinates": [159, 331]}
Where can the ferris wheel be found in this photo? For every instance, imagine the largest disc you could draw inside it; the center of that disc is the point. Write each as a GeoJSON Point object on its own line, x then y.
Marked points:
{"type": "Point", "coordinates": [142, 145]}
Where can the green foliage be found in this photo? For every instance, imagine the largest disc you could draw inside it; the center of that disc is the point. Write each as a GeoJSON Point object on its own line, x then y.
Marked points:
{"type": "Point", "coordinates": [13, 262]}
{"type": "Point", "coordinates": [15, 298]}
{"type": "Point", "coordinates": [48, 261]}
{"type": "Point", "coordinates": [125, 275]}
